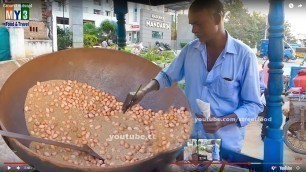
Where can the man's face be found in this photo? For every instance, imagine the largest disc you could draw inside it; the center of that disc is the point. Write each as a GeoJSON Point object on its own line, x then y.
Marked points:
{"type": "Point", "coordinates": [203, 24]}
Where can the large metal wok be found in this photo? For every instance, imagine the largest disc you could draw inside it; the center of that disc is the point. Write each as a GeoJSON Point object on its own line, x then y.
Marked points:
{"type": "Point", "coordinates": [109, 70]}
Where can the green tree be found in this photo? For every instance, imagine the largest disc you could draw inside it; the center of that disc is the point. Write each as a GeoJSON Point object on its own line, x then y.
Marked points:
{"type": "Point", "coordinates": [90, 40]}
{"type": "Point", "coordinates": [237, 18]}
{"type": "Point", "coordinates": [108, 29]}
{"type": "Point", "coordinates": [249, 28]}
{"type": "Point", "coordinates": [64, 38]}
{"type": "Point", "coordinates": [256, 28]}
{"type": "Point", "coordinates": [90, 28]}
{"type": "Point", "coordinates": [90, 35]}
{"type": "Point", "coordinates": [288, 35]}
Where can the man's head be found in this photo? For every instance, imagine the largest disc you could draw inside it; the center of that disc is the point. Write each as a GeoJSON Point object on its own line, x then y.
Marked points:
{"type": "Point", "coordinates": [206, 18]}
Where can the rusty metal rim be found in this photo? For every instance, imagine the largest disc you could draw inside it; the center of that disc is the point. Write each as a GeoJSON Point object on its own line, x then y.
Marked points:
{"type": "Point", "coordinates": [14, 144]}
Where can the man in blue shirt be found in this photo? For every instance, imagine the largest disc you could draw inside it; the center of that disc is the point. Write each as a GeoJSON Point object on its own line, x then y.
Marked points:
{"type": "Point", "coordinates": [217, 69]}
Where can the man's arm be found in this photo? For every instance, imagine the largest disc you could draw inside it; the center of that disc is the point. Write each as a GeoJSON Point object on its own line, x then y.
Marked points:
{"type": "Point", "coordinates": [174, 72]}
{"type": "Point", "coordinates": [164, 78]}
{"type": "Point", "coordinates": [250, 92]}
{"type": "Point", "coordinates": [153, 85]}
{"type": "Point", "coordinates": [228, 119]}
{"type": "Point", "coordinates": [132, 98]}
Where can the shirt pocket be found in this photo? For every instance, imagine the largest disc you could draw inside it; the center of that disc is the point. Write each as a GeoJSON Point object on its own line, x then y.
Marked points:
{"type": "Point", "coordinates": [225, 88]}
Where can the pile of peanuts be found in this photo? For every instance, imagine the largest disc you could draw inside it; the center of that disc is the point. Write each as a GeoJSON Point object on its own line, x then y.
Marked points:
{"type": "Point", "coordinates": [79, 114]}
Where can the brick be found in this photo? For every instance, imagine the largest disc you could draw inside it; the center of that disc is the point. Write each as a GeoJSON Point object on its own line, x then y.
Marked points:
{"type": "Point", "coordinates": [41, 30]}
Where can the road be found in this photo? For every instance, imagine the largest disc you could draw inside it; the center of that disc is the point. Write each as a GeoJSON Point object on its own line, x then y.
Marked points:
{"type": "Point", "coordinates": [287, 65]}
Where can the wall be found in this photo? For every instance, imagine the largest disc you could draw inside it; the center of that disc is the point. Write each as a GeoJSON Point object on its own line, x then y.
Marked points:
{"type": "Point", "coordinates": [37, 47]}
{"type": "Point", "coordinates": [132, 26]}
{"type": "Point", "coordinates": [146, 31]}
{"type": "Point", "coordinates": [184, 30]}
{"type": "Point", "coordinates": [17, 42]}
{"type": "Point", "coordinates": [88, 14]}
{"type": "Point", "coordinates": [25, 48]}
{"type": "Point", "coordinates": [88, 11]}
{"type": "Point", "coordinates": [76, 23]}
{"type": "Point", "coordinates": [31, 33]}
{"type": "Point", "coordinates": [131, 12]}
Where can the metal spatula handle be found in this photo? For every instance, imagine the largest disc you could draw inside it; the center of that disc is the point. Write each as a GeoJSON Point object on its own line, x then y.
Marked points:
{"type": "Point", "coordinates": [85, 148]}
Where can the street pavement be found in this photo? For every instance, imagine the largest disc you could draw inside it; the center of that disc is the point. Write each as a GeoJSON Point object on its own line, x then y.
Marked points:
{"type": "Point", "coordinates": [287, 65]}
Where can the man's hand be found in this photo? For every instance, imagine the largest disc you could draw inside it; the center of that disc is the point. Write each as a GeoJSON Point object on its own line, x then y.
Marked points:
{"type": "Point", "coordinates": [213, 124]}
{"type": "Point", "coordinates": [131, 99]}
{"type": "Point", "coordinates": [210, 125]}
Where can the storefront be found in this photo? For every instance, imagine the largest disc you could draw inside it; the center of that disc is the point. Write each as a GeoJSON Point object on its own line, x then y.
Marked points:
{"type": "Point", "coordinates": [132, 33]}
{"type": "Point", "coordinates": [154, 27]}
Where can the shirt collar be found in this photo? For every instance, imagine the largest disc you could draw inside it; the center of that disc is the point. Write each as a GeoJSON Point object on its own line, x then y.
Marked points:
{"type": "Point", "coordinates": [229, 46]}
{"type": "Point", "coordinates": [198, 45]}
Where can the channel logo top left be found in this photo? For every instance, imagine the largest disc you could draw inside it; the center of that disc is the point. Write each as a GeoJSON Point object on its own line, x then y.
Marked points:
{"type": "Point", "coordinates": [17, 11]}
{"type": "Point", "coordinates": [16, 14]}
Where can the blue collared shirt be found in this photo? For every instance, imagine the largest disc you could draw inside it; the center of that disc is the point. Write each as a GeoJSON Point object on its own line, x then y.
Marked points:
{"type": "Point", "coordinates": [232, 86]}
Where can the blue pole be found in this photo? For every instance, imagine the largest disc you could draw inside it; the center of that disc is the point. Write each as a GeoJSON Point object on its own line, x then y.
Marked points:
{"type": "Point", "coordinates": [120, 8]}
{"type": "Point", "coordinates": [273, 143]}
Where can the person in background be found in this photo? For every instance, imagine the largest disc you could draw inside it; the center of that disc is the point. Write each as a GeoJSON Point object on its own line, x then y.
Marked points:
{"type": "Point", "coordinates": [217, 69]}
{"type": "Point", "coordinates": [104, 44]}
{"type": "Point", "coordinates": [263, 75]}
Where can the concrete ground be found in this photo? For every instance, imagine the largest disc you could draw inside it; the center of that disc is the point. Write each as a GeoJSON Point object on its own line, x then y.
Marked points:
{"type": "Point", "coordinates": [253, 145]}
{"type": "Point", "coordinates": [6, 69]}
